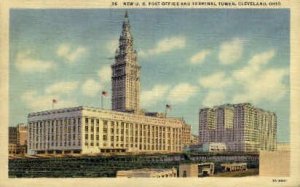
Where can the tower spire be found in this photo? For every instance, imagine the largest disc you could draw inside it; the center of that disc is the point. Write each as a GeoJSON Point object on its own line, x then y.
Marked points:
{"type": "Point", "coordinates": [126, 73]}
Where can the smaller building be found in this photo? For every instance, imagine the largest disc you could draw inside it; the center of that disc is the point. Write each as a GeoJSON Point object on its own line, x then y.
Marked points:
{"type": "Point", "coordinates": [196, 170]}
{"type": "Point", "coordinates": [12, 149]}
{"type": "Point", "coordinates": [213, 147]}
{"type": "Point", "coordinates": [147, 172]}
{"type": "Point", "coordinates": [194, 139]}
{"type": "Point", "coordinates": [234, 167]}
{"type": "Point", "coordinates": [188, 170]}
{"type": "Point", "coordinates": [17, 137]}
{"type": "Point", "coordinates": [206, 169]}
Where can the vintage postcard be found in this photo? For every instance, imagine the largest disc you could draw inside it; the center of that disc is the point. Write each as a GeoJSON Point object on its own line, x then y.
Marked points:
{"type": "Point", "coordinates": [119, 92]}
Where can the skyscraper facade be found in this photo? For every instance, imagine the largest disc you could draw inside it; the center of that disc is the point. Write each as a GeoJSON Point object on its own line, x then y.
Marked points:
{"type": "Point", "coordinates": [126, 74]}
{"type": "Point", "coordinates": [242, 127]}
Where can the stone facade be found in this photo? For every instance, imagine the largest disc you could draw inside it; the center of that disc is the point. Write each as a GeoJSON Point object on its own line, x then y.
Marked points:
{"type": "Point", "coordinates": [126, 74]}
{"type": "Point", "coordinates": [242, 127]}
{"type": "Point", "coordinates": [92, 130]}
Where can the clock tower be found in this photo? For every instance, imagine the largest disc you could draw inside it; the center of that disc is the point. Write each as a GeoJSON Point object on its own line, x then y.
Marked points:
{"type": "Point", "coordinates": [126, 73]}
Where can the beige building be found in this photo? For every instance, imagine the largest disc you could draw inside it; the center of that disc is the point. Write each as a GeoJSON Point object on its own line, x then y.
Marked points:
{"type": "Point", "coordinates": [196, 170]}
{"type": "Point", "coordinates": [188, 170]}
{"type": "Point", "coordinates": [92, 130]}
{"type": "Point", "coordinates": [242, 127]}
{"type": "Point", "coordinates": [186, 134]}
{"type": "Point", "coordinates": [194, 139]}
{"type": "Point", "coordinates": [18, 134]}
{"type": "Point", "coordinates": [147, 172]}
{"type": "Point", "coordinates": [17, 139]}
{"type": "Point", "coordinates": [126, 74]}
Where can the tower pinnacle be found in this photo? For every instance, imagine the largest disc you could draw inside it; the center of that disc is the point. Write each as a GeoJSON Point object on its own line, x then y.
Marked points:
{"type": "Point", "coordinates": [126, 73]}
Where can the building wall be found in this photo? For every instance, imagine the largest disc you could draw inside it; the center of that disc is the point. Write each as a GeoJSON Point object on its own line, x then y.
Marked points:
{"type": "Point", "coordinates": [188, 170]}
{"type": "Point", "coordinates": [194, 139]}
{"type": "Point", "coordinates": [17, 139]}
{"type": "Point", "coordinates": [22, 134]}
{"type": "Point", "coordinates": [92, 130]}
{"type": "Point", "coordinates": [12, 135]}
{"type": "Point", "coordinates": [55, 131]}
{"type": "Point", "coordinates": [242, 127]}
{"type": "Point", "coordinates": [186, 135]}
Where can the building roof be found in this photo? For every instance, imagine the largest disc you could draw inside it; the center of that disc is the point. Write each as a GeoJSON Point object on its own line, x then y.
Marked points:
{"type": "Point", "coordinates": [105, 113]}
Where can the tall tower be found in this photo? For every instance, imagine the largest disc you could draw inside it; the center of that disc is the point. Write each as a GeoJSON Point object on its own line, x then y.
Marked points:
{"type": "Point", "coordinates": [126, 73]}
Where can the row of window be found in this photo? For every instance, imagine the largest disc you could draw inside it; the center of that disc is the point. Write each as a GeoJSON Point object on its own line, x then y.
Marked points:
{"type": "Point", "coordinates": [139, 146]}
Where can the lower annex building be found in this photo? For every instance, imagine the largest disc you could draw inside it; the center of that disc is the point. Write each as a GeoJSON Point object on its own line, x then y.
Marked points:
{"type": "Point", "coordinates": [92, 130]}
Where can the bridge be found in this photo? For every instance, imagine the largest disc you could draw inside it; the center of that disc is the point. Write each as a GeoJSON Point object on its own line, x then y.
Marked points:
{"type": "Point", "coordinates": [108, 165]}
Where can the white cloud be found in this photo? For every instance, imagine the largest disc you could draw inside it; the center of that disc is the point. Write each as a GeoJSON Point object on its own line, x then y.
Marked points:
{"type": "Point", "coordinates": [255, 65]}
{"type": "Point", "coordinates": [69, 53]}
{"type": "Point", "coordinates": [165, 45]}
{"type": "Point", "coordinates": [199, 57]}
{"type": "Point", "coordinates": [259, 83]}
{"type": "Point", "coordinates": [231, 51]}
{"type": "Point", "coordinates": [105, 74]}
{"type": "Point", "coordinates": [62, 87]}
{"type": "Point", "coordinates": [151, 97]}
{"type": "Point", "coordinates": [26, 63]}
{"type": "Point", "coordinates": [37, 102]}
{"type": "Point", "coordinates": [255, 82]}
{"type": "Point", "coordinates": [112, 45]}
{"type": "Point", "coordinates": [268, 85]}
{"type": "Point", "coordinates": [181, 93]}
{"type": "Point", "coordinates": [217, 80]}
{"type": "Point", "coordinates": [91, 88]}
{"type": "Point", "coordinates": [215, 97]}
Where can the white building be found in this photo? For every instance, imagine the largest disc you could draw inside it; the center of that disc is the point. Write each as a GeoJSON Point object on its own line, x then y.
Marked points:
{"type": "Point", "coordinates": [214, 147]}
{"type": "Point", "coordinates": [125, 128]}
{"type": "Point", "coordinates": [242, 127]}
{"type": "Point", "coordinates": [92, 130]}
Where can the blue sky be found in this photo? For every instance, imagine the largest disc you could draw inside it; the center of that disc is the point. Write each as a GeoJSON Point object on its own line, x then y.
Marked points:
{"type": "Point", "coordinates": [190, 58]}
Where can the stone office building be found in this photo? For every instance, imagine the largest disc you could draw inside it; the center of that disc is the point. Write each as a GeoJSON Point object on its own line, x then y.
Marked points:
{"type": "Point", "coordinates": [242, 127]}
{"type": "Point", "coordinates": [126, 128]}
{"type": "Point", "coordinates": [92, 130]}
